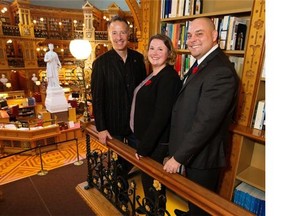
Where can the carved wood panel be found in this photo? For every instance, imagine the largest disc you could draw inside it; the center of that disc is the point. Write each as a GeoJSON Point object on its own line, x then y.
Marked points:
{"type": "Point", "coordinates": [252, 65]}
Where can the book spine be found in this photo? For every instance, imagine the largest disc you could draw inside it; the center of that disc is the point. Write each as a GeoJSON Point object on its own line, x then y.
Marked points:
{"type": "Point", "coordinates": [230, 33]}
{"type": "Point", "coordinates": [192, 7]}
{"type": "Point", "coordinates": [198, 7]}
{"type": "Point", "coordinates": [224, 31]}
{"type": "Point", "coordinates": [260, 114]}
{"type": "Point", "coordinates": [174, 7]}
{"type": "Point", "coordinates": [187, 8]}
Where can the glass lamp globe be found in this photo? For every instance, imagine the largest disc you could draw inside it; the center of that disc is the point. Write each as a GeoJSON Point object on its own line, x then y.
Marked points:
{"type": "Point", "coordinates": [8, 85]}
{"type": "Point", "coordinates": [80, 48]}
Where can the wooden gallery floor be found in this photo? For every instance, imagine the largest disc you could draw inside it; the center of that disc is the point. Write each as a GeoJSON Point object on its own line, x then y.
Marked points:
{"type": "Point", "coordinates": [21, 166]}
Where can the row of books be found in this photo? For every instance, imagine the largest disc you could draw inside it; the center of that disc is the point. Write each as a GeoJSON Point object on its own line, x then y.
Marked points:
{"type": "Point", "coordinates": [259, 115]}
{"type": "Point", "coordinates": [250, 198]}
{"type": "Point", "coordinates": [177, 32]}
{"type": "Point", "coordinates": [183, 63]}
{"type": "Point", "coordinates": [238, 62]}
{"type": "Point", "coordinates": [232, 32]}
{"type": "Point", "coordinates": [178, 8]}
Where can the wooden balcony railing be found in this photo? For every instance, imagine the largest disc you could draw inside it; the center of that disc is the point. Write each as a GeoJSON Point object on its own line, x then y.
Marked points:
{"type": "Point", "coordinates": [200, 196]}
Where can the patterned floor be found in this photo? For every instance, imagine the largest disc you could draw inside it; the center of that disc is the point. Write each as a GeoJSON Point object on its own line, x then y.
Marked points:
{"type": "Point", "coordinates": [21, 166]}
{"type": "Point", "coordinates": [18, 167]}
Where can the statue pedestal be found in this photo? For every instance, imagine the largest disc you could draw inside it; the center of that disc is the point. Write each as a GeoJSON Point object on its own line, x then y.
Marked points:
{"type": "Point", "coordinates": [60, 116]}
{"type": "Point", "coordinates": [55, 100]}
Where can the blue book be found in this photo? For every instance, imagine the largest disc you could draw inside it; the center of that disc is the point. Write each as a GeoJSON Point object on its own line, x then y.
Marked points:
{"type": "Point", "coordinates": [167, 8]}
{"type": "Point", "coordinates": [250, 198]}
{"type": "Point", "coordinates": [261, 211]}
{"type": "Point", "coordinates": [252, 204]}
{"type": "Point", "coordinates": [236, 196]}
{"type": "Point", "coordinates": [259, 206]}
{"type": "Point", "coordinates": [241, 194]}
{"type": "Point", "coordinates": [247, 202]}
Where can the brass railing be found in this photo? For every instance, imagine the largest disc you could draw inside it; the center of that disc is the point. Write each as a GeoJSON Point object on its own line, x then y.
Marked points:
{"type": "Point", "coordinates": [200, 196]}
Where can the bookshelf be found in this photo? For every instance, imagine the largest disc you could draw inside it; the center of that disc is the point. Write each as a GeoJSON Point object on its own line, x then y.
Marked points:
{"type": "Point", "coordinates": [251, 165]}
{"type": "Point", "coordinates": [243, 11]}
{"type": "Point", "coordinates": [66, 29]}
{"type": "Point", "coordinates": [253, 176]}
{"type": "Point", "coordinates": [175, 28]}
{"type": "Point", "coordinates": [248, 144]}
{"type": "Point", "coordinates": [247, 150]}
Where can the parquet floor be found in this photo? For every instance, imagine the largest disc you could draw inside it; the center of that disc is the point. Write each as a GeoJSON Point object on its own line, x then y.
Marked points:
{"type": "Point", "coordinates": [21, 166]}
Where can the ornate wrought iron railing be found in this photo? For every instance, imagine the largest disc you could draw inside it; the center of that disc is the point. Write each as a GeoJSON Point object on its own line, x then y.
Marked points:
{"type": "Point", "coordinates": [104, 174]}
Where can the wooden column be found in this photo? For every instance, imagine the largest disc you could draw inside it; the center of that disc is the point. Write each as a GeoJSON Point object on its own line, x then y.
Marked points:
{"type": "Point", "coordinates": [248, 92]}
{"type": "Point", "coordinates": [252, 66]}
{"type": "Point", "coordinates": [3, 56]}
{"type": "Point", "coordinates": [147, 21]}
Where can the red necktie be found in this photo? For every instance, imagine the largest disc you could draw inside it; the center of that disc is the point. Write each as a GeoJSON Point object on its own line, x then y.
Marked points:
{"type": "Point", "coordinates": [195, 67]}
{"type": "Point", "coordinates": [193, 70]}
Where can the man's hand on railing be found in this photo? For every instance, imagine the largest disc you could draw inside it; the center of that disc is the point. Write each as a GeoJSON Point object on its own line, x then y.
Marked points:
{"type": "Point", "coordinates": [138, 156]}
{"type": "Point", "coordinates": [103, 135]}
{"type": "Point", "coordinates": [171, 166]}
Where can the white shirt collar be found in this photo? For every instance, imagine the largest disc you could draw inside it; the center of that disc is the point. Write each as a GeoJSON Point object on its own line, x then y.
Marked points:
{"type": "Point", "coordinates": [210, 51]}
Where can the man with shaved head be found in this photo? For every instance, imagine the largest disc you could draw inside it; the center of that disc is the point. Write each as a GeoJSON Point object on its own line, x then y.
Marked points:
{"type": "Point", "coordinates": [203, 112]}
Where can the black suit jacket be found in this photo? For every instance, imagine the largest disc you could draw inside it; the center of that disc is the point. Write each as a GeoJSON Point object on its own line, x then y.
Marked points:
{"type": "Point", "coordinates": [202, 114]}
{"type": "Point", "coordinates": [153, 107]}
{"type": "Point", "coordinates": [112, 86]}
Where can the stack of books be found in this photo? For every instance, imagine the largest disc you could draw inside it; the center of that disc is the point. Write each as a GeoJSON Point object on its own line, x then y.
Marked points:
{"type": "Point", "coordinates": [250, 198]}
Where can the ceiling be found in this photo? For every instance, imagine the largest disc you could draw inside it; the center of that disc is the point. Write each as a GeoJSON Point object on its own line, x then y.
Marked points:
{"type": "Point", "coordinates": [77, 4]}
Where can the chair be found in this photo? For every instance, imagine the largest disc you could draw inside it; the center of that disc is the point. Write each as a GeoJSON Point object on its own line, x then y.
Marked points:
{"type": "Point", "coordinates": [14, 112]}
{"type": "Point", "coordinates": [73, 103]}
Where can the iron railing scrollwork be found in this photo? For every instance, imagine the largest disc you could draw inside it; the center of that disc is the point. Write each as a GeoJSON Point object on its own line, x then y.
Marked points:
{"type": "Point", "coordinates": [106, 177]}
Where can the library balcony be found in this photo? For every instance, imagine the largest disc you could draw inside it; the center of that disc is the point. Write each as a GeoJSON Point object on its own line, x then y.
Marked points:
{"type": "Point", "coordinates": [102, 176]}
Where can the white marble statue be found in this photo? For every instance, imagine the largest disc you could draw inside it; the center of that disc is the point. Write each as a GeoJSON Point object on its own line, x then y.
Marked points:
{"type": "Point", "coordinates": [3, 79]}
{"type": "Point", "coordinates": [53, 65]}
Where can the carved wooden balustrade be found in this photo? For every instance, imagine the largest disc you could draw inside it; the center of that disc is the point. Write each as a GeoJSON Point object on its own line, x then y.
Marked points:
{"type": "Point", "coordinates": [188, 190]}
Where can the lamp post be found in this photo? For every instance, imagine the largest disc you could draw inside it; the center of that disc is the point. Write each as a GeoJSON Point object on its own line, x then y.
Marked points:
{"type": "Point", "coordinates": [81, 50]}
